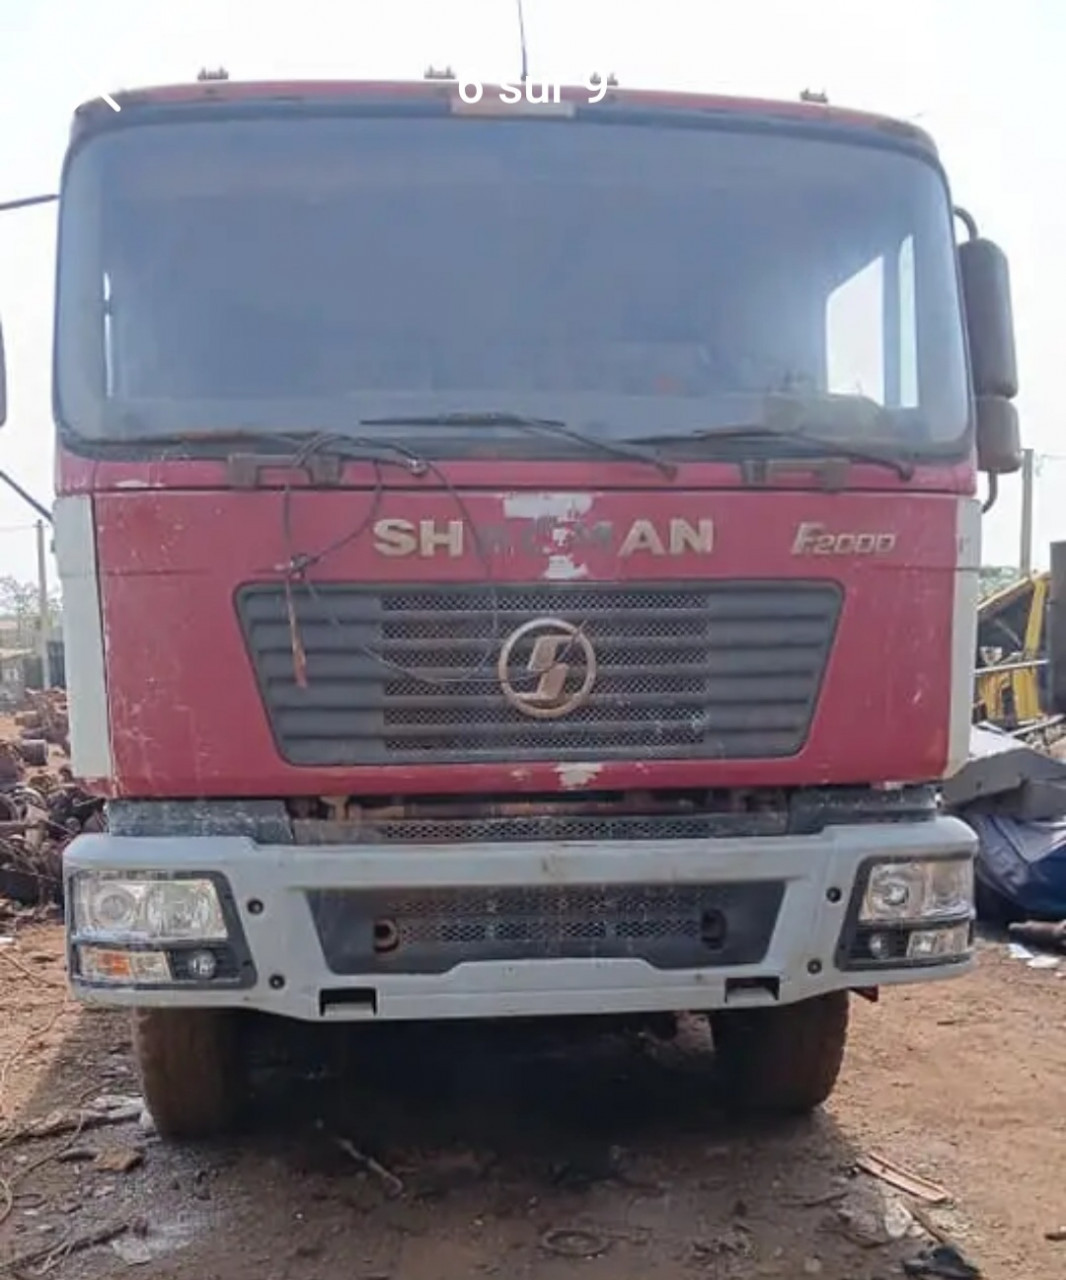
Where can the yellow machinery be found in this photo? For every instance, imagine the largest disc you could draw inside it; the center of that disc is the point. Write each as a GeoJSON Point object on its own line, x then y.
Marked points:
{"type": "Point", "coordinates": [1011, 687]}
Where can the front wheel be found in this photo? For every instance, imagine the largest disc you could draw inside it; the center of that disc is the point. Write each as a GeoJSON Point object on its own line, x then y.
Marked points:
{"type": "Point", "coordinates": [784, 1059]}
{"type": "Point", "coordinates": [191, 1069]}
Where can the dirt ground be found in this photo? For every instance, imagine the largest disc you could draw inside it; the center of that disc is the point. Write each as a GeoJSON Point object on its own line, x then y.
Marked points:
{"type": "Point", "coordinates": [384, 1154]}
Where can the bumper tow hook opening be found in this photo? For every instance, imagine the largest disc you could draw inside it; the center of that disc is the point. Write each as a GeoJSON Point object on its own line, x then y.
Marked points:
{"type": "Point", "coordinates": [386, 936]}
{"type": "Point", "coordinates": [713, 930]}
{"type": "Point", "coordinates": [348, 1002]}
{"type": "Point", "coordinates": [752, 990]}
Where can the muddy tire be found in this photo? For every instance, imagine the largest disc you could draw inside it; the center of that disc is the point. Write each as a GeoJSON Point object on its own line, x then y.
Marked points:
{"type": "Point", "coordinates": [191, 1069]}
{"type": "Point", "coordinates": [783, 1060]}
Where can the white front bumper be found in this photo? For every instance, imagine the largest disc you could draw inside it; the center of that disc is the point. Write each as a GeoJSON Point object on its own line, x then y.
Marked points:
{"type": "Point", "coordinates": [288, 973]}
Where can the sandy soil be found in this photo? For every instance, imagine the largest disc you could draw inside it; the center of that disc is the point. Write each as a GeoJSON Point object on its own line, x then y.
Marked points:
{"type": "Point", "coordinates": [515, 1154]}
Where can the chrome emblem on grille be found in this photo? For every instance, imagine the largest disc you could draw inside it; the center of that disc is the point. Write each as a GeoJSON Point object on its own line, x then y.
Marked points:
{"type": "Point", "coordinates": [560, 659]}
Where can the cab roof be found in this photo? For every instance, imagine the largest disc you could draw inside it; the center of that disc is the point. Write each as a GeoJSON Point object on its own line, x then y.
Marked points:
{"type": "Point", "coordinates": [201, 95]}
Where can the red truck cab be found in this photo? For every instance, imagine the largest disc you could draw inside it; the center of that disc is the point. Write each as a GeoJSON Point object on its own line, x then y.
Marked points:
{"type": "Point", "coordinates": [517, 561]}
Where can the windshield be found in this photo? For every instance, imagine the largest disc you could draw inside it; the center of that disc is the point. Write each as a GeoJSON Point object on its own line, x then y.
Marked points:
{"type": "Point", "coordinates": [307, 272]}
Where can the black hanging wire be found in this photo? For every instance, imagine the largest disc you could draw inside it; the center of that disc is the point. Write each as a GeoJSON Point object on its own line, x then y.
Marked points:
{"type": "Point", "coordinates": [300, 563]}
{"type": "Point", "coordinates": [26, 202]}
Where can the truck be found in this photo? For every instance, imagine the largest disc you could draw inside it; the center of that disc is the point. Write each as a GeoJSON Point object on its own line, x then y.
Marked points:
{"type": "Point", "coordinates": [1013, 679]}
{"type": "Point", "coordinates": [519, 561]}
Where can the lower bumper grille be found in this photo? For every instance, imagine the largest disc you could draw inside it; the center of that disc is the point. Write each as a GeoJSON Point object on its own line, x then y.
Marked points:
{"type": "Point", "coordinates": [432, 931]}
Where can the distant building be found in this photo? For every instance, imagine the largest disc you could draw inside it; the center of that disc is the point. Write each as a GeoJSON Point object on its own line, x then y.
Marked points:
{"type": "Point", "coordinates": [16, 674]}
{"type": "Point", "coordinates": [20, 669]}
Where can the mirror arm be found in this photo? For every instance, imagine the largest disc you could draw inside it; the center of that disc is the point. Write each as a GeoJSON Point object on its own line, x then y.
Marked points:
{"type": "Point", "coordinates": [968, 221]}
{"type": "Point", "coordinates": [993, 492]}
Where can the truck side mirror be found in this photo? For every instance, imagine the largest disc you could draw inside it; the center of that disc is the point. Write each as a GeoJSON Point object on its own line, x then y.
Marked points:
{"type": "Point", "coordinates": [3, 381]}
{"type": "Point", "coordinates": [986, 294]}
{"type": "Point", "coordinates": [999, 437]}
{"type": "Point", "coordinates": [989, 318]}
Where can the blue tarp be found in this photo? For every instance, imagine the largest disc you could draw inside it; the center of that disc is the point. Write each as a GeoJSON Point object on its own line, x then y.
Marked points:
{"type": "Point", "coordinates": [1023, 864]}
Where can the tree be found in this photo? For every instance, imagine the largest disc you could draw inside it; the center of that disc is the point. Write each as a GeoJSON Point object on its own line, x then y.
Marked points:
{"type": "Point", "coordinates": [994, 578]}
{"type": "Point", "coordinates": [19, 605]}
{"type": "Point", "coordinates": [18, 602]}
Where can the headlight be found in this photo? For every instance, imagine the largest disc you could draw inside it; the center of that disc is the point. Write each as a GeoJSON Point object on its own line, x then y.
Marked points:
{"type": "Point", "coordinates": [918, 890]}
{"type": "Point", "coordinates": [116, 909]}
{"type": "Point", "coordinates": [184, 910]}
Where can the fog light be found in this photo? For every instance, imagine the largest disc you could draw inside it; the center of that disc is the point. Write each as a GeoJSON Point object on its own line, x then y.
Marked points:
{"type": "Point", "coordinates": [103, 964]}
{"type": "Point", "coordinates": [897, 891]}
{"type": "Point", "coordinates": [202, 966]}
{"type": "Point", "coordinates": [879, 945]}
{"type": "Point", "coordinates": [931, 944]}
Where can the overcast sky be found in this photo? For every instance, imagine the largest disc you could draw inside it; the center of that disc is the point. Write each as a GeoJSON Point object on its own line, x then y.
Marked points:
{"type": "Point", "coordinates": [980, 75]}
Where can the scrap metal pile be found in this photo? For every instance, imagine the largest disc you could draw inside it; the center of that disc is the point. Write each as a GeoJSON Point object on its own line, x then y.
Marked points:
{"type": "Point", "coordinates": [41, 806]}
{"type": "Point", "coordinates": [1012, 791]}
{"type": "Point", "coordinates": [43, 720]}
{"type": "Point", "coordinates": [1013, 794]}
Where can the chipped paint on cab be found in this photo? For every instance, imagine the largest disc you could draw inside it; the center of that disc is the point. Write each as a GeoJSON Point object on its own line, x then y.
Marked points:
{"type": "Point", "coordinates": [573, 776]}
{"type": "Point", "coordinates": [540, 506]}
{"type": "Point", "coordinates": [564, 568]}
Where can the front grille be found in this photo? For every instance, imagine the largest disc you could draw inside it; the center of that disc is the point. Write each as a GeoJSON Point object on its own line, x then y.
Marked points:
{"type": "Point", "coordinates": [406, 675]}
{"type": "Point", "coordinates": [432, 930]}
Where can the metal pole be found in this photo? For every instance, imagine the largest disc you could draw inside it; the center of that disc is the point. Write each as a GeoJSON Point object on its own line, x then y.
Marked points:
{"type": "Point", "coordinates": [42, 607]}
{"type": "Point", "coordinates": [1056, 628]}
{"type": "Point", "coordinates": [1027, 512]}
{"type": "Point", "coordinates": [522, 41]}
{"type": "Point", "coordinates": [39, 507]}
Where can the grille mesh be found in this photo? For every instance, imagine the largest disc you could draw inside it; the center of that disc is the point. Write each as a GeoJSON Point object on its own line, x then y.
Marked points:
{"type": "Point", "coordinates": [409, 674]}
{"type": "Point", "coordinates": [545, 827]}
{"type": "Point", "coordinates": [432, 930]}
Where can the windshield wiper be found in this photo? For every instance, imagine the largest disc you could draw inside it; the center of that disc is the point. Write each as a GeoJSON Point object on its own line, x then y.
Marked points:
{"type": "Point", "coordinates": [821, 422]}
{"type": "Point", "coordinates": [260, 438]}
{"type": "Point", "coordinates": [814, 444]}
{"type": "Point", "coordinates": [630, 449]}
{"type": "Point", "coordinates": [320, 453]}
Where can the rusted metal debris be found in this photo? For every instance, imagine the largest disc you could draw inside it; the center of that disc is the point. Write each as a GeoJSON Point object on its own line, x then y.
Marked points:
{"type": "Point", "coordinates": [41, 806]}
{"type": "Point", "coordinates": [43, 717]}
{"type": "Point", "coordinates": [392, 1184]}
{"type": "Point", "coordinates": [1040, 933]}
{"type": "Point", "coordinates": [902, 1179]}
{"type": "Point", "coordinates": [108, 1109]}
{"type": "Point", "coordinates": [38, 818]}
